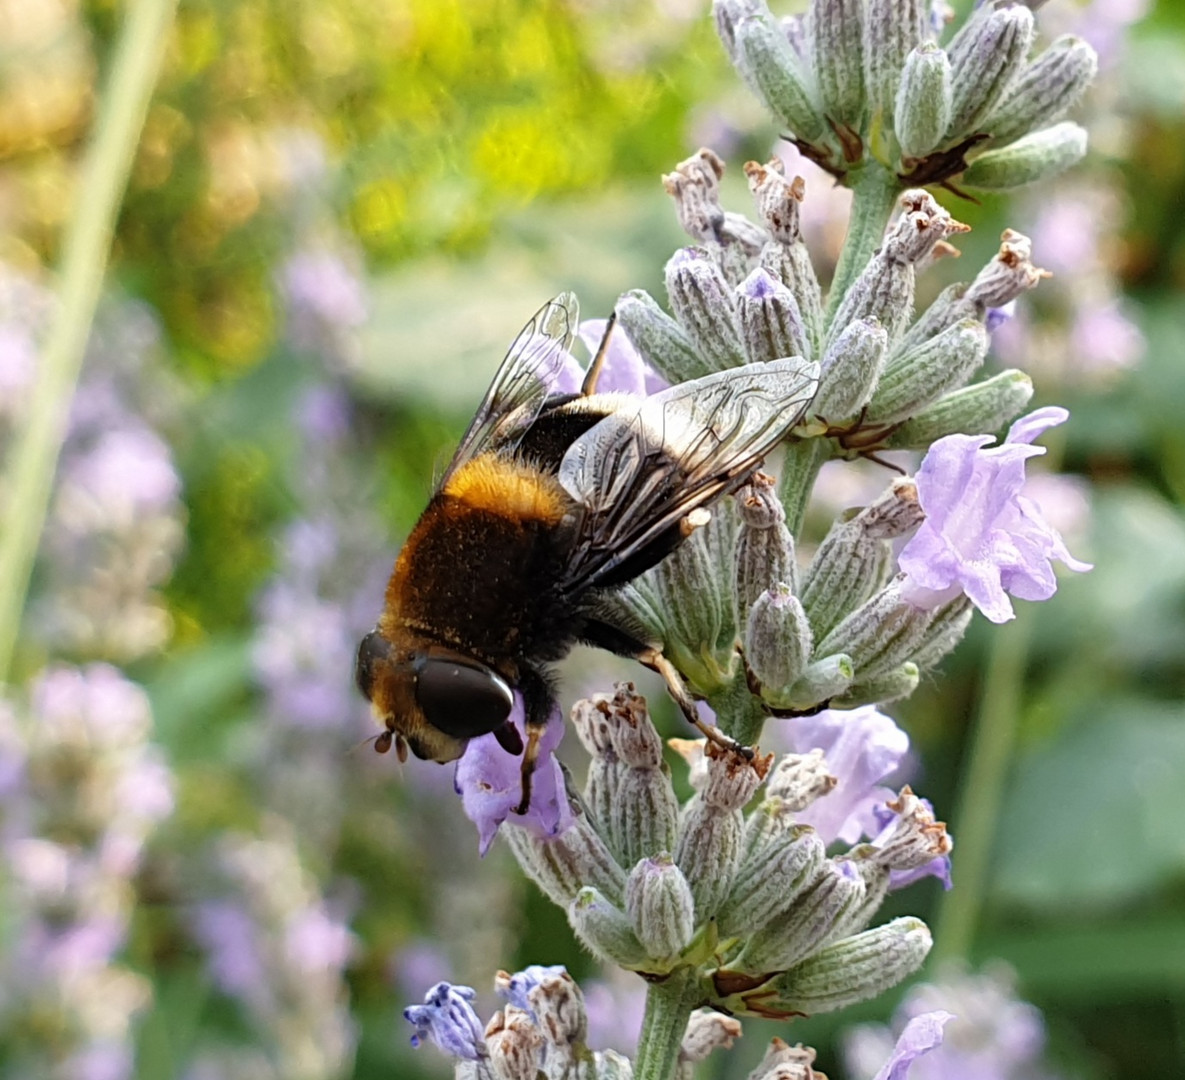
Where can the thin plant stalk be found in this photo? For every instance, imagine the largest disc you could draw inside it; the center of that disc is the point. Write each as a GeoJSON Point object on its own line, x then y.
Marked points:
{"type": "Point", "coordinates": [87, 242]}
{"type": "Point", "coordinates": [874, 191]}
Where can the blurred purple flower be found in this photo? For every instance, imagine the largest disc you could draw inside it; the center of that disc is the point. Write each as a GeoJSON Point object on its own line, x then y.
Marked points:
{"type": "Point", "coordinates": [228, 933]}
{"type": "Point", "coordinates": [921, 1035]}
{"type": "Point", "coordinates": [1103, 338]}
{"type": "Point", "coordinates": [326, 299]}
{"type": "Point", "coordinates": [991, 1035]}
{"type": "Point", "coordinates": [982, 536]}
{"type": "Point", "coordinates": [489, 781]}
{"type": "Point", "coordinates": [448, 1019]}
{"type": "Point", "coordinates": [418, 963]}
{"type": "Point", "coordinates": [315, 940]}
{"type": "Point", "coordinates": [615, 1005]}
{"type": "Point", "coordinates": [862, 747]}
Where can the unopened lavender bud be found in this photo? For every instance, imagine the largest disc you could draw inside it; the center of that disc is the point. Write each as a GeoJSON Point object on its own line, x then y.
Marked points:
{"type": "Point", "coordinates": [880, 635]}
{"type": "Point", "coordinates": [562, 865]}
{"type": "Point", "coordinates": [786, 257]}
{"type": "Point", "coordinates": [1006, 276]}
{"type": "Point", "coordinates": [634, 737]}
{"type": "Point", "coordinates": [726, 14]}
{"type": "Point", "coordinates": [641, 817]}
{"type": "Point", "coordinates": [695, 187]}
{"type": "Point", "coordinates": [835, 35]}
{"type": "Point", "coordinates": [661, 907]}
{"type": "Point", "coordinates": [784, 1062]}
{"type": "Point", "coordinates": [591, 718]}
{"type": "Point", "coordinates": [917, 838]}
{"type": "Point", "coordinates": [913, 379]}
{"type": "Point", "coordinates": [707, 1030]}
{"type": "Point", "coordinates": [922, 113]}
{"type": "Point", "coordinates": [821, 681]}
{"type": "Point", "coordinates": [807, 924]}
{"type": "Point", "coordinates": [1036, 157]}
{"type": "Point", "coordinates": [694, 604]}
{"type": "Point", "coordinates": [985, 62]}
{"type": "Point", "coordinates": [854, 559]}
{"type": "Point", "coordinates": [659, 338]}
{"type": "Point", "coordinates": [644, 818]}
{"type": "Point", "coordinates": [702, 301]}
{"type": "Point", "coordinates": [876, 879]}
{"type": "Point", "coordinates": [514, 1044]}
{"type": "Point", "coordinates": [553, 998]}
{"type": "Point", "coordinates": [771, 324]}
{"type": "Point", "coordinates": [778, 199]}
{"type": "Point", "coordinates": [889, 686]}
{"type": "Point", "coordinates": [765, 547]}
{"type": "Point", "coordinates": [711, 826]}
{"type": "Point", "coordinates": [799, 779]}
{"type": "Point", "coordinates": [610, 1065]}
{"type": "Point", "coordinates": [1002, 280]}
{"type": "Point", "coordinates": [777, 641]}
{"type": "Point", "coordinates": [774, 874]}
{"type": "Point", "coordinates": [892, 29]}
{"type": "Point", "coordinates": [770, 66]}
{"type": "Point", "coordinates": [852, 970]}
{"type": "Point", "coordinates": [606, 930]}
{"type": "Point", "coordinates": [885, 287]}
{"type": "Point", "coordinates": [945, 631]}
{"type": "Point", "coordinates": [851, 369]}
{"type": "Point", "coordinates": [1045, 91]}
{"type": "Point", "coordinates": [979, 409]}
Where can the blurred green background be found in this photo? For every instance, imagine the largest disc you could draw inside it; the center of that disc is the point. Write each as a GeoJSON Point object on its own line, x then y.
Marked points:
{"type": "Point", "coordinates": [339, 214]}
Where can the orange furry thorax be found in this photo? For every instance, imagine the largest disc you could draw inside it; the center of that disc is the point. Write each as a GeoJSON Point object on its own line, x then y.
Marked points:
{"type": "Point", "coordinates": [508, 488]}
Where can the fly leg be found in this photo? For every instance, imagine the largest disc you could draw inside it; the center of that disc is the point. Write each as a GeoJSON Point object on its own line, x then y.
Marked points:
{"type": "Point", "coordinates": [655, 660]}
{"type": "Point", "coordinates": [538, 701]}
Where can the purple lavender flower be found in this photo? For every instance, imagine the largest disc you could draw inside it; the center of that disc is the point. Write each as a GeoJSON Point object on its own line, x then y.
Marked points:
{"type": "Point", "coordinates": [624, 370]}
{"type": "Point", "coordinates": [448, 1019]}
{"type": "Point", "coordinates": [982, 536]}
{"type": "Point", "coordinates": [861, 746]}
{"type": "Point", "coordinates": [489, 781]}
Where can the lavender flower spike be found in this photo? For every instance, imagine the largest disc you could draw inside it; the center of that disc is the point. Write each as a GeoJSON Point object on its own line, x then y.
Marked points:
{"type": "Point", "coordinates": [448, 1019]}
{"type": "Point", "coordinates": [981, 535]}
{"type": "Point", "coordinates": [489, 781]}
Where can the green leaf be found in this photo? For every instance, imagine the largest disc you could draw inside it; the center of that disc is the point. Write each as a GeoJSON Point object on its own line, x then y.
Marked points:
{"type": "Point", "coordinates": [1094, 819]}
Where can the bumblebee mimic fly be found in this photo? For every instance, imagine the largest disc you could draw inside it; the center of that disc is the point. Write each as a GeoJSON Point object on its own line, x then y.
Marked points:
{"type": "Point", "coordinates": [551, 502]}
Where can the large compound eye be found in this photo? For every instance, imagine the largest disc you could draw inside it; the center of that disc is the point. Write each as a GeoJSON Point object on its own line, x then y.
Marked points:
{"type": "Point", "coordinates": [373, 647]}
{"type": "Point", "coordinates": [461, 698]}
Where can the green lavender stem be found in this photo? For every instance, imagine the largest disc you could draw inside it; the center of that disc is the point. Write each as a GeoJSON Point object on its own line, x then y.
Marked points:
{"type": "Point", "coordinates": [668, 1007]}
{"type": "Point", "coordinates": [873, 194]}
{"type": "Point", "coordinates": [85, 248]}
{"type": "Point", "coordinates": [800, 469]}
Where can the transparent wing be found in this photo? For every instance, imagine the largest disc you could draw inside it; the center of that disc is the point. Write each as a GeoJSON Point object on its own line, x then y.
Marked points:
{"type": "Point", "coordinates": [522, 383]}
{"type": "Point", "coordinates": [637, 474]}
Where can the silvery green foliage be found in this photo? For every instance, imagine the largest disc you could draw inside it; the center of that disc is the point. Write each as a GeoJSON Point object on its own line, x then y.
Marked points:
{"type": "Point", "coordinates": [863, 80]}
{"type": "Point", "coordinates": [750, 903]}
